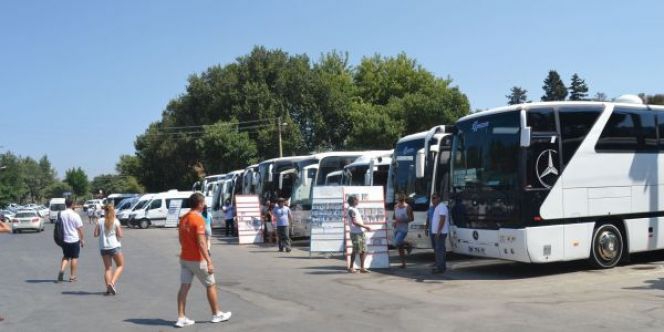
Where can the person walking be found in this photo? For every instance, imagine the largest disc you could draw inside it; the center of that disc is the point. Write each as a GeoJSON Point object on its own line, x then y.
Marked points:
{"type": "Point", "coordinates": [109, 232]}
{"type": "Point", "coordinates": [284, 218]}
{"type": "Point", "coordinates": [357, 237]}
{"type": "Point", "coordinates": [440, 228]}
{"type": "Point", "coordinates": [73, 240]}
{"type": "Point", "coordinates": [91, 214]}
{"type": "Point", "coordinates": [403, 215]}
{"type": "Point", "coordinates": [229, 214]}
{"type": "Point", "coordinates": [195, 261]}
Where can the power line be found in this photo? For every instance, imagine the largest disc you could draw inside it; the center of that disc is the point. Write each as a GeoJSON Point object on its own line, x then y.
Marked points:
{"type": "Point", "coordinates": [236, 123]}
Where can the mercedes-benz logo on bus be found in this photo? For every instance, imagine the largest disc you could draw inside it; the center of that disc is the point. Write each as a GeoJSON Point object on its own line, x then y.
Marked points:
{"type": "Point", "coordinates": [545, 168]}
{"type": "Point", "coordinates": [476, 235]}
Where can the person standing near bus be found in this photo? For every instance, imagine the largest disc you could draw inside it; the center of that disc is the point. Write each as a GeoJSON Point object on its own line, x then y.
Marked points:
{"type": "Point", "coordinates": [284, 218]}
{"type": "Point", "coordinates": [357, 237]}
{"type": "Point", "coordinates": [109, 232]}
{"type": "Point", "coordinates": [440, 227]}
{"type": "Point", "coordinates": [403, 215]}
{"type": "Point", "coordinates": [435, 199]}
{"type": "Point", "coordinates": [229, 215]}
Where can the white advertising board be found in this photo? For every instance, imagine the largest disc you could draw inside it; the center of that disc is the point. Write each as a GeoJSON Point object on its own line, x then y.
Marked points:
{"type": "Point", "coordinates": [372, 209]}
{"type": "Point", "coordinates": [327, 225]}
{"type": "Point", "coordinates": [173, 214]}
{"type": "Point", "coordinates": [249, 225]}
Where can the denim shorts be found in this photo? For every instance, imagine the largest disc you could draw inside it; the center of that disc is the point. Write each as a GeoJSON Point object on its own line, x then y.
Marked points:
{"type": "Point", "coordinates": [110, 252]}
{"type": "Point", "coordinates": [399, 238]}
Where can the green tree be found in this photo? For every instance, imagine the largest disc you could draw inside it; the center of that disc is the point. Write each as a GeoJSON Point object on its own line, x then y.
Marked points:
{"type": "Point", "coordinates": [57, 189]}
{"type": "Point", "coordinates": [657, 99]}
{"type": "Point", "coordinates": [517, 95]}
{"type": "Point", "coordinates": [600, 96]}
{"type": "Point", "coordinates": [225, 149]}
{"type": "Point", "coordinates": [13, 188]}
{"type": "Point", "coordinates": [78, 180]}
{"type": "Point", "coordinates": [554, 89]}
{"type": "Point", "coordinates": [578, 89]}
{"type": "Point", "coordinates": [111, 183]}
{"type": "Point", "coordinates": [46, 174]}
{"type": "Point", "coordinates": [373, 127]}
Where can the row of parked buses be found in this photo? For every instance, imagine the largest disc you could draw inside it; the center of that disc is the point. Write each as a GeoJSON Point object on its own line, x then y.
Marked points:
{"type": "Point", "coordinates": [537, 182]}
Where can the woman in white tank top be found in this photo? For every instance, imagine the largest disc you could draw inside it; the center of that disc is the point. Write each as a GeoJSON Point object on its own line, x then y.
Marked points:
{"type": "Point", "coordinates": [109, 232]}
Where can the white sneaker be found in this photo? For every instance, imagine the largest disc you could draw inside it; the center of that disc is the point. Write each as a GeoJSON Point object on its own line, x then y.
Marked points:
{"type": "Point", "coordinates": [182, 322]}
{"type": "Point", "coordinates": [221, 316]}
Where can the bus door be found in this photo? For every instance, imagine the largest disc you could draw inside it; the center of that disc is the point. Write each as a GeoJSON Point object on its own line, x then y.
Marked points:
{"type": "Point", "coordinates": [543, 163]}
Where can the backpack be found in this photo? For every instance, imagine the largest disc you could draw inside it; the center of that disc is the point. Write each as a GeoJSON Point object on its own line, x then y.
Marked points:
{"type": "Point", "coordinates": [59, 232]}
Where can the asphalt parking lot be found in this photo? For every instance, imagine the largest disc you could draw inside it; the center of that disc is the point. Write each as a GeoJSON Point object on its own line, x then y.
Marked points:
{"type": "Point", "coordinates": [271, 291]}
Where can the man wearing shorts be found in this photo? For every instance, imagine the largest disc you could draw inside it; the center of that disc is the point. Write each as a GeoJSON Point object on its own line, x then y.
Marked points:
{"type": "Point", "coordinates": [195, 261]}
{"type": "Point", "coordinates": [73, 229]}
{"type": "Point", "coordinates": [357, 237]}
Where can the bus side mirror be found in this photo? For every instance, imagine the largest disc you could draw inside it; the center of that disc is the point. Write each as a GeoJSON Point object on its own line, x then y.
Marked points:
{"type": "Point", "coordinates": [525, 137]}
{"type": "Point", "coordinates": [419, 164]}
{"type": "Point", "coordinates": [525, 130]}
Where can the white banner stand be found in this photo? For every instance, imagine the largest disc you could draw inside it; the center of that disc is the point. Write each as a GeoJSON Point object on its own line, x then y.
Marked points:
{"type": "Point", "coordinates": [249, 225]}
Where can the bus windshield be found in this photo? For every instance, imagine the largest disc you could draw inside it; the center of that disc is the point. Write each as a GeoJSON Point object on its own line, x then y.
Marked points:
{"type": "Point", "coordinates": [303, 186]}
{"type": "Point", "coordinates": [486, 151]}
{"type": "Point", "coordinates": [405, 180]}
{"type": "Point", "coordinates": [354, 176]}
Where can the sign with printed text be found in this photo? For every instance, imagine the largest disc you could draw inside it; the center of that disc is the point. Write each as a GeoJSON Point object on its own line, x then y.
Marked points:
{"type": "Point", "coordinates": [249, 225]}
{"type": "Point", "coordinates": [173, 214]}
{"type": "Point", "coordinates": [372, 209]}
{"type": "Point", "coordinates": [327, 225]}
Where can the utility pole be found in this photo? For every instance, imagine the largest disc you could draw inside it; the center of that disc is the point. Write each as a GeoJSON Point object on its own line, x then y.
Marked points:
{"type": "Point", "coordinates": [281, 149]}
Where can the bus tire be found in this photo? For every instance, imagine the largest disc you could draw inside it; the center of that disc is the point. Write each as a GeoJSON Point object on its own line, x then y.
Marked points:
{"type": "Point", "coordinates": [607, 247]}
{"type": "Point", "coordinates": [144, 223]}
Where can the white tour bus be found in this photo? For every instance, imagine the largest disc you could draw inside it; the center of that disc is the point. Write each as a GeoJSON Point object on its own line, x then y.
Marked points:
{"type": "Point", "coordinates": [420, 167]}
{"type": "Point", "coordinates": [309, 172]}
{"type": "Point", "coordinates": [226, 188]}
{"type": "Point", "coordinates": [559, 181]}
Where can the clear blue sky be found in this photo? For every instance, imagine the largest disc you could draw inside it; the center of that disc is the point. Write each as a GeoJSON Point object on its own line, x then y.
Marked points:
{"type": "Point", "coordinates": [80, 79]}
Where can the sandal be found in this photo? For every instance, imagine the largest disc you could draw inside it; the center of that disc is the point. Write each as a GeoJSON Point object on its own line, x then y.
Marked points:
{"type": "Point", "coordinates": [352, 270]}
{"type": "Point", "coordinates": [73, 279]}
{"type": "Point", "coordinates": [364, 271]}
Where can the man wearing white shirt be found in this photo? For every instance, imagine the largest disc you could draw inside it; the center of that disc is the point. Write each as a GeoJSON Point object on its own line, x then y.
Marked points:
{"type": "Point", "coordinates": [440, 227]}
{"type": "Point", "coordinates": [73, 229]}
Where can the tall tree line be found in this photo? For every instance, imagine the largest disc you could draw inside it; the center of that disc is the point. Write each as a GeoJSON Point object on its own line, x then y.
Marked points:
{"type": "Point", "coordinates": [229, 116]}
{"type": "Point", "coordinates": [24, 179]}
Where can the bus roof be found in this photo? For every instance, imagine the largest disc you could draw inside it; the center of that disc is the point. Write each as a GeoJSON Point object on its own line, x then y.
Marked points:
{"type": "Point", "coordinates": [527, 106]}
{"type": "Point", "coordinates": [384, 155]}
{"type": "Point", "coordinates": [439, 130]}
{"type": "Point", "coordinates": [282, 159]}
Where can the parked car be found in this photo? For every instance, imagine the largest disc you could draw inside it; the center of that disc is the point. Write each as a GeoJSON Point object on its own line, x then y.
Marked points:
{"type": "Point", "coordinates": [6, 215]}
{"type": "Point", "coordinates": [43, 211]}
{"type": "Point", "coordinates": [27, 219]}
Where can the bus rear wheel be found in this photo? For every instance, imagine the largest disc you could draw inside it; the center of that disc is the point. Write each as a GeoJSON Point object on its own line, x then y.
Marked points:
{"type": "Point", "coordinates": [607, 247]}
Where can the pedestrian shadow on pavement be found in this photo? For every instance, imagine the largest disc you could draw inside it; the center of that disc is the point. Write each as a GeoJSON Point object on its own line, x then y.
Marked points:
{"type": "Point", "coordinates": [42, 281]}
{"type": "Point", "coordinates": [650, 284]}
{"type": "Point", "coordinates": [82, 293]}
{"type": "Point", "coordinates": [326, 270]}
{"type": "Point", "coordinates": [150, 321]}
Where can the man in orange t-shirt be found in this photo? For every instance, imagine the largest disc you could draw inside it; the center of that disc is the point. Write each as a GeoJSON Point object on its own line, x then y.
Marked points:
{"type": "Point", "coordinates": [195, 261]}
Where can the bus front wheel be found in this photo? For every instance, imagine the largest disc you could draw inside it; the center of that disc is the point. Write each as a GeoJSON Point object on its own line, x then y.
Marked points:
{"type": "Point", "coordinates": [607, 247]}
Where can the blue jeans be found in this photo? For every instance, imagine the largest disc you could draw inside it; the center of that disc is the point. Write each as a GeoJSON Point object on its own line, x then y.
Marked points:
{"type": "Point", "coordinates": [440, 252]}
{"type": "Point", "coordinates": [433, 241]}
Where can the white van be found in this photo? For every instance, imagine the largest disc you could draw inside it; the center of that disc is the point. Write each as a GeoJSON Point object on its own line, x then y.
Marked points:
{"type": "Point", "coordinates": [126, 216]}
{"type": "Point", "coordinates": [55, 205]}
{"type": "Point", "coordinates": [154, 213]}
